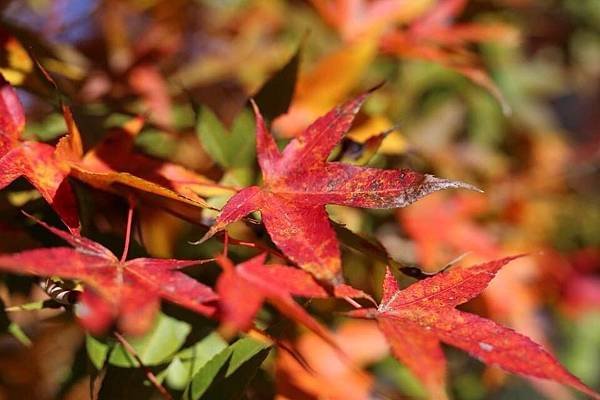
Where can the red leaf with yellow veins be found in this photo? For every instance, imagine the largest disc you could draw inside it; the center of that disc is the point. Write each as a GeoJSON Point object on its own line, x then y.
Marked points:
{"type": "Point", "coordinates": [299, 182]}
{"type": "Point", "coordinates": [415, 320]}
{"type": "Point", "coordinates": [242, 289]}
{"type": "Point", "coordinates": [128, 291]}
{"type": "Point", "coordinates": [32, 160]}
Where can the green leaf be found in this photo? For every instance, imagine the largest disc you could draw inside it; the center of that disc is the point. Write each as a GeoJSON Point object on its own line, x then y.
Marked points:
{"type": "Point", "coordinates": [155, 347]}
{"type": "Point", "coordinates": [235, 148]}
{"type": "Point", "coordinates": [19, 334]}
{"type": "Point", "coordinates": [213, 135]}
{"type": "Point", "coordinates": [48, 129]}
{"type": "Point", "coordinates": [581, 355]}
{"type": "Point", "coordinates": [97, 351]}
{"type": "Point", "coordinates": [227, 374]}
{"type": "Point", "coordinates": [156, 143]}
{"type": "Point", "coordinates": [401, 377]}
{"type": "Point", "coordinates": [241, 177]}
{"type": "Point", "coordinates": [275, 96]}
{"type": "Point", "coordinates": [242, 144]}
{"type": "Point", "coordinates": [188, 361]}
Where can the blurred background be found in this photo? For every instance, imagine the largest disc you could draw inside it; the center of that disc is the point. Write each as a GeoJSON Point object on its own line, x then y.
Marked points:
{"type": "Point", "coordinates": [504, 94]}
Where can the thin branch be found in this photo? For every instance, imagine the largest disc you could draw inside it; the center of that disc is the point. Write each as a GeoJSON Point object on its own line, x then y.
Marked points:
{"type": "Point", "coordinates": [149, 374]}
{"type": "Point", "coordinates": [264, 335]}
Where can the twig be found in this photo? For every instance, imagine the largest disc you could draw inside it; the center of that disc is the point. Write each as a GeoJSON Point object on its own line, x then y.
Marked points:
{"type": "Point", "coordinates": [149, 374]}
{"type": "Point", "coordinates": [258, 246]}
{"type": "Point", "coordinates": [263, 335]}
{"type": "Point", "coordinates": [225, 244]}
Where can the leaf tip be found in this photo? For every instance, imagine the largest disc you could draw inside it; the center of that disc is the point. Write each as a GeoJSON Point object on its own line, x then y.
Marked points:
{"type": "Point", "coordinates": [33, 218]}
{"type": "Point", "coordinates": [254, 107]}
{"type": "Point", "coordinates": [506, 109]}
{"type": "Point", "coordinates": [376, 87]}
{"type": "Point", "coordinates": [210, 233]}
{"type": "Point", "coordinates": [432, 183]}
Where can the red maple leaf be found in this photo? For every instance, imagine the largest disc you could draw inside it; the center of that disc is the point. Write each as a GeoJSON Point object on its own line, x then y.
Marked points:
{"type": "Point", "coordinates": [33, 160]}
{"type": "Point", "coordinates": [415, 320]}
{"type": "Point", "coordinates": [298, 182]}
{"type": "Point", "coordinates": [129, 291]}
{"type": "Point", "coordinates": [244, 288]}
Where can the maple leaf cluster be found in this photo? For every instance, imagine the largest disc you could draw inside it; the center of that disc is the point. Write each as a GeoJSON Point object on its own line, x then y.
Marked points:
{"type": "Point", "coordinates": [298, 182]}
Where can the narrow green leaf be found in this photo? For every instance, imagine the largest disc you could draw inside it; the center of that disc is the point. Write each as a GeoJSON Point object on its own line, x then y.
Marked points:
{"type": "Point", "coordinates": [18, 334]}
{"type": "Point", "coordinates": [97, 351]}
{"type": "Point", "coordinates": [213, 136]}
{"type": "Point", "coordinates": [242, 144]}
{"type": "Point", "coordinates": [188, 361]}
{"type": "Point", "coordinates": [227, 374]}
{"type": "Point", "coordinates": [6, 325]}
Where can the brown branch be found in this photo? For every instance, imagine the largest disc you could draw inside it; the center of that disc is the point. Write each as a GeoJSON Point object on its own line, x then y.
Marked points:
{"type": "Point", "coordinates": [149, 374]}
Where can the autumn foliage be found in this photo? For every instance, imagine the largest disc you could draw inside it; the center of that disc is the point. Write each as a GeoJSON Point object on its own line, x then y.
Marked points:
{"type": "Point", "coordinates": [330, 226]}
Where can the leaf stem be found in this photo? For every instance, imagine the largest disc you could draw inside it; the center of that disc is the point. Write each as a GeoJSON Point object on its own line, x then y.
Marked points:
{"type": "Point", "coordinates": [149, 374]}
{"type": "Point", "coordinates": [352, 302]}
{"type": "Point", "coordinates": [127, 232]}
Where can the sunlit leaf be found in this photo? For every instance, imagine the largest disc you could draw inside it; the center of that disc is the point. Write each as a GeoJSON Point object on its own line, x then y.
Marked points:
{"type": "Point", "coordinates": [299, 182]}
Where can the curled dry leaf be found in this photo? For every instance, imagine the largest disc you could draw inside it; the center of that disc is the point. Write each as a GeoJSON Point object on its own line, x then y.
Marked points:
{"type": "Point", "coordinates": [298, 182]}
